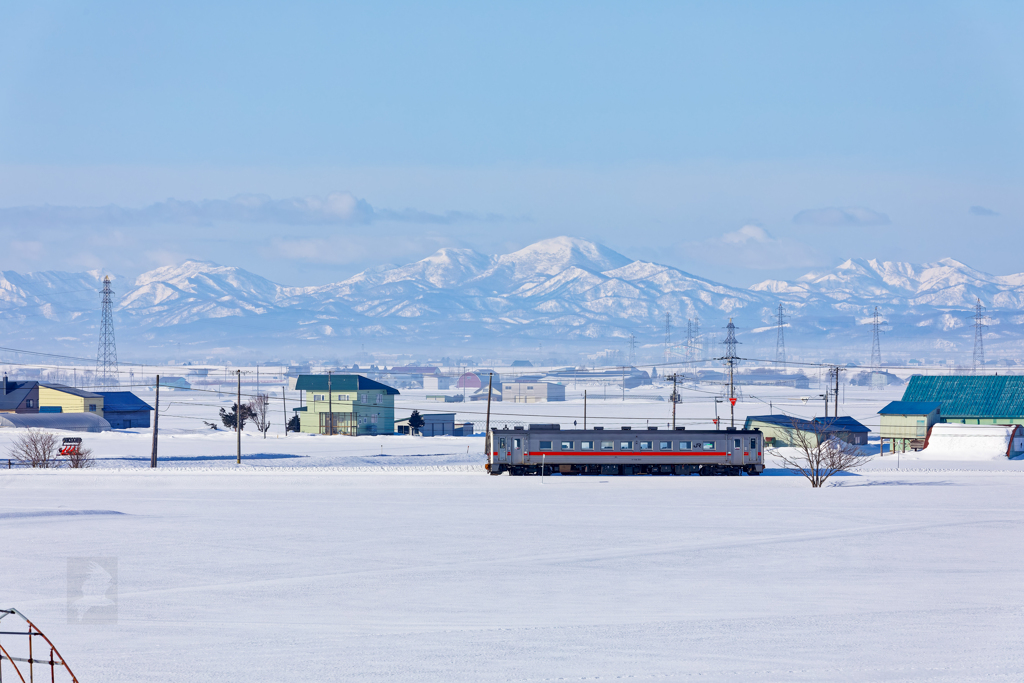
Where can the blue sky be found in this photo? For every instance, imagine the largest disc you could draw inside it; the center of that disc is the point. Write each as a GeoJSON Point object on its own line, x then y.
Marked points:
{"type": "Point", "coordinates": [739, 141]}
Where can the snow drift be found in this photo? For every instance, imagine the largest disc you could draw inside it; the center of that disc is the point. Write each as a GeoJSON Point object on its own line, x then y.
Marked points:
{"type": "Point", "coordinates": [973, 442]}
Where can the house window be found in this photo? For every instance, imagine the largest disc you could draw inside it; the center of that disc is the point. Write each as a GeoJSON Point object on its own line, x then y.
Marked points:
{"type": "Point", "coordinates": [373, 418]}
{"type": "Point", "coordinates": [545, 445]}
{"type": "Point", "coordinates": [587, 445]}
{"type": "Point", "coordinates": [646, 445]}
{"type": "Point", "coordinates": [665, 445]}
{"type": "Point", "coordinates": [92, 407]}
{"type": "Point", "coordinates": [380, 399]}
{"type": "Point", "coordinates": [364, 398]}
{"type": "Point", "coordinates": [30, 403]}
{"type": "Point", "coordinates": [319, 397]}
{"type": "Point", "coordinates": [625, 445]}
{"type": "Point", "coordinates": [567, 445]}
{"type": "Point", "coordinates": [607, 445]}
{"type": "Point", "coordinates": [529, 388]}
{"type": "Point", "coordinates": [344, 397]}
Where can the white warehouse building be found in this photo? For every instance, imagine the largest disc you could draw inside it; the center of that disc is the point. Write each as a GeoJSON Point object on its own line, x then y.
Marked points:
{"type": "Point", "coordinates": [532, 392]}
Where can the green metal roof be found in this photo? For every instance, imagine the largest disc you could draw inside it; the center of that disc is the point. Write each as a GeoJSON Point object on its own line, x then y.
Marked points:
{"type": "Point", "coordinates": [340, 383]}
{"type": "Point", "coordinates": [967, 396]}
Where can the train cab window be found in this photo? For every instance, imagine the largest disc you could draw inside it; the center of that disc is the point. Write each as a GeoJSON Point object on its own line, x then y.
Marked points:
{"type": "Point", "coordinates": [753, 444]}
{"type": "Point", "coordinates": [586, 445]}
{"type": "Point", "coordinates": [625, 445]}
{"type": "Point", "coordinates": [567, 445]}
{"type": "Point", "coordinates": [545, 445]}
{"type": "Point", "coordinates": [708, 445]}
{"type": "Point", "coordinates": [646, 445]}
{"type": "Point", "coordinates": [517, 444]}
{"type": "Point", "coordinates": [607, 445]}
{"type": "Point", "coordinates": [501, 442]}
{"type": "Point", "coordinates": [684, 446]}
{"type": "Point", "coordinates": [735, 443]}
{"type": "Point", "coordinates": [665, 445]}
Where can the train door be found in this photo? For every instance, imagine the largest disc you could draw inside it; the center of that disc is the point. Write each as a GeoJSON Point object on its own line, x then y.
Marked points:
{"type": "Point", "coordinates": [736, 447]}
{"type": "Point", "coordinates": [503, 450]}
{"type": "Point", "coordinates": [517, 449]}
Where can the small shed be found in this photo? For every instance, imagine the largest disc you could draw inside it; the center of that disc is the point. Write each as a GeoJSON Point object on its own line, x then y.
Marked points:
{"type": "Point", "coordinates": [434, 424]}
{"type": "Point", "coordinates": [906, 423]}
{"type": "Point", "coordinates": [784, 430]}
{"type": "Point", "coordinates": [531, 391]}
{"type": "Point", "coordinates": [71, 422]}
{"type": "Point", "coordinates": [125, 410]}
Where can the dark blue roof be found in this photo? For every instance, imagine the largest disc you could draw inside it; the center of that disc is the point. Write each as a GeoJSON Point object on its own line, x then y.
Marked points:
{"type": "Point", "coordinates": [340, 383]}
{"type": "Point", "coordinates": [910, 408]}
{"type": "Point", "coordinates": [838, 424]}
{"type": "Point", "coordinates": [122, 402]}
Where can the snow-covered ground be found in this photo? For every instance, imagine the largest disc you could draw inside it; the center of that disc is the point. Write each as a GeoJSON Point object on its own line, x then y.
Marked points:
{"type": "Point", "coordinates": [322, 559]}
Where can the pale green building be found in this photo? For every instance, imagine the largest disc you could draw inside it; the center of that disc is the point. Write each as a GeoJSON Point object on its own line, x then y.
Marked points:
{"type": "Point", "coordinates": [351, 405]}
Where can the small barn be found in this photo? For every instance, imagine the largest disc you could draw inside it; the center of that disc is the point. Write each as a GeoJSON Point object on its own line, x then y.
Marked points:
{"type": "Point", "coordinates": [906, 423]}
{"type": "Point", "coordinates": [434, 424]}
{"type": "Point", "coordinates": [19, 397]}
{"type": "Point", "coordinates": [531, 391]}
{"type": "Point", "coordinates": [971, 399]}
{"type": "Point", "coordinates": [783, 430]}
{"type": "Point", "coordinates": [125, 410]}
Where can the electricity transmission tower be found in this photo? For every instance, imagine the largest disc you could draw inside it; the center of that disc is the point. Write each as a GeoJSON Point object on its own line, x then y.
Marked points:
{"type": "Point", "coordinates": [632, 351]}
{"type": "Point", "coordinates": [979, 336]}
{"type": "Point", "coordinates": [876, 349]}
{"type": "Point", "coordinates": [668, 334]}
{"type": "Point", "coordinates": [780, 341]}
{"type": "Point", "coordinates": [106, 353]}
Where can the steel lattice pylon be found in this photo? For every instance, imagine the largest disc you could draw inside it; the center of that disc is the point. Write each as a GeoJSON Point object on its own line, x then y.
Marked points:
{"type": "Point", "coordinates": [106, 353]}
{"type": "Point", "coordinates": [780, 340]}
{"type": "Point", "coordinates": [876, 347]}
{"type": "Point", "coordinates": [979, 336]}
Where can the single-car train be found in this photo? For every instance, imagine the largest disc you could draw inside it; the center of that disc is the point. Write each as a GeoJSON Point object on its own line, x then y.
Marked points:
{"type": "Point", "coordinates": [548, 449]}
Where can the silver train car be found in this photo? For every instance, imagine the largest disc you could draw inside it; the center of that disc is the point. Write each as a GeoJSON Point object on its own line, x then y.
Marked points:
{"type": "Point", "coordinates": [548, 449]}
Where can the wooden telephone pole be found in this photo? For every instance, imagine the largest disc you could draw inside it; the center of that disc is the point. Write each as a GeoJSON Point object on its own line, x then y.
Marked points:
{"type": "Point", "coordinates": [156, 422]}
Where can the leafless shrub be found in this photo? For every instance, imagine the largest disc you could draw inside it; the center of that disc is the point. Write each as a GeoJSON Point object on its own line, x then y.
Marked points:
{"type": "Point", "coordinates": [36, 448]}
{"type": "Point", "coordinates": [820, 453]}
{"type": "Point", "coordinates": [81, 458]}
{"type": "Point", "coordinates": [259, 412]}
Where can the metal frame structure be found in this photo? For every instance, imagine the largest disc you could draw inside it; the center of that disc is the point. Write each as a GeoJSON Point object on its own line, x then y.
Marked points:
{"type": "Point", "coordinates": [106, 353]}
{"type": "Point", "coordinates": [26, 672]}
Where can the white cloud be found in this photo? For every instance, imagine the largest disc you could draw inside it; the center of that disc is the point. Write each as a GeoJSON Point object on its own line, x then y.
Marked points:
{"type": "Point", "coordinates": [841, 216]}
{"type": "Point", "coordinates": [981, 211]}
{"type": "Point", "coordinates": [748, 233]}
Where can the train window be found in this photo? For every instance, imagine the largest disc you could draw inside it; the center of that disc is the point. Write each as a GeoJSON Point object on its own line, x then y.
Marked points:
{"type": "Point", "coordinates": [735, 443]}
{"type": "Point", "coordinates": [567, 445]}
{"type": "Point", "coordinates": [587, 445]}
{"type": "Point", "coordinates": [709, 445]}
{"type": "Point", "coordinates": [517, 444]}
{"type": "Point", "coordinates": [684, 445]}
{"type": "Point", "coordinates": [607, 445]}
{"type": "Point", "coordinates": [646, 445]}
{"type": "Point", "coordinates": [545, 445]}
{"type": "Point", "coordinates": [501, 442]}
{"type": "Point", "coordinates": [753, 444]}
{"type": "Point", "coordinates": [666, 445]}
{"type": "Point", "coordinates": [625, 445]}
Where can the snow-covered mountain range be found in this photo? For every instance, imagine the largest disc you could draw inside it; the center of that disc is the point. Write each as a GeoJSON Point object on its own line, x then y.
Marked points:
{"type": "Point", "coordinates": [558, 296]}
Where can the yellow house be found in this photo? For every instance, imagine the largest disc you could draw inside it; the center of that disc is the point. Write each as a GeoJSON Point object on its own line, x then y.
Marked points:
{"type": "Point", "coordinates": [57, 398]}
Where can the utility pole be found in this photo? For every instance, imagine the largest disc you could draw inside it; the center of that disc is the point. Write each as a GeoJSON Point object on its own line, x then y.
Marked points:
{"type": "Point", "coordinates": [284, 404]}
{"type": "Point", "coordinates": [156, 422]}
{"type": "Point", "coordinates": [835, 412]}
{"type": "Point", "coordinates": [675, 400]}
{"type": "Point", "coordinates": [238, 420]}
{"type": "Point", "coordinates": [730, 358]}
{"type": "Point", "coordinates": [487, 428]}
{"type": "Point", "coordinates": [330, 405]}
{"type": "Point", "coordinates": [584, 408]}
{"type": "Point", "coordinates": [668, 334]}
{"type": "Point", "coordinates": [623, 382]}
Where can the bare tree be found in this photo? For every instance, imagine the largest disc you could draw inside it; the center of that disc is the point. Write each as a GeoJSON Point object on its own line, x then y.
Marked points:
{"type": "Point", "coordinates": [259, 412]}
{"type": "Point", "coordinates": [36, 448]}
{"type": "Point", "coordinates": [820, 453]}
{"type": "Point", "coordinates": [80, 458]}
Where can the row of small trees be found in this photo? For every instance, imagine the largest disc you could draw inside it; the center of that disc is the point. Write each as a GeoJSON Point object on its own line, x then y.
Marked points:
{"type": "Point", "coordinates": [36, 448]}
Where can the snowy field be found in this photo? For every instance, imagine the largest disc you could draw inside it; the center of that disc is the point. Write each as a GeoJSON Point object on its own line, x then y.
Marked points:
{"type": "Point", "coordinates": [398, 559]}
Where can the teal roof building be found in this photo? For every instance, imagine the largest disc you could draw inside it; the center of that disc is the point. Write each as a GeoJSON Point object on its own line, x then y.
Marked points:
{"type": "Point", "coordinates": [997, 399]}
